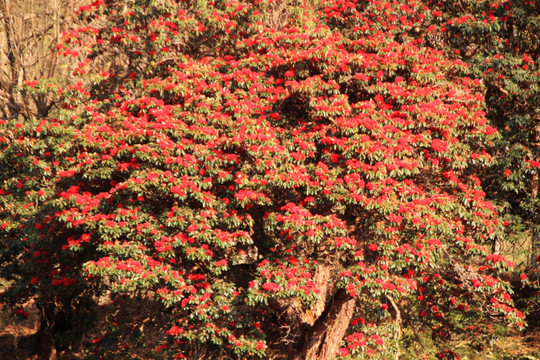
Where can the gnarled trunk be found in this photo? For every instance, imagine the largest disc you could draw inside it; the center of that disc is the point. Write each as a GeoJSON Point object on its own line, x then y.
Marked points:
{"type": "Point", "coordinates": [323, 338]}
{"type": "Point", "coordinates": [315, 333]}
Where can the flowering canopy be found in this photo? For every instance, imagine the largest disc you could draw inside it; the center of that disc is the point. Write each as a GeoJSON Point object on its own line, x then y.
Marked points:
{"type": "Point", "coordinates": [291, 179]}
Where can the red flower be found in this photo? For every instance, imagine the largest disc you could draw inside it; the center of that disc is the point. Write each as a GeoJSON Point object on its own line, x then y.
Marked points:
{"type": "Point", "coordinates": [373, 247]}
{"type": "Point", "coordinates": [439, 145]}
{"type": "Point", "coordinates": [174, 331]}
{"type": "Point", "coordinates": [271, 286]}
{"type": "Point", "coordinates": [31, 83]}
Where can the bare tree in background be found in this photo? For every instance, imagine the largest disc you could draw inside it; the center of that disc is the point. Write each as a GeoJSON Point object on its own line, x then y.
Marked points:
{"type": "Point", "coordinates": [29, 33]}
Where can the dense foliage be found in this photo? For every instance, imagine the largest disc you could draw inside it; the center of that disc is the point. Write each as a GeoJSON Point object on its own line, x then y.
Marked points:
{"type": "Point", "coordinates": [500, 41]}
{"type": "Point", "coordinates": [290, 179]}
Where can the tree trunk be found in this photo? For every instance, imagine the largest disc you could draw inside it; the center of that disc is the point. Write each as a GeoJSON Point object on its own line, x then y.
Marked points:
{"type": "Point", "coordinates": [299, 321]}
{"type": "Point", "coordinates": [323, 338]}
{"type": "Point", "coordinates": [45, 334]}
{"type": "Point", "coordinates": [535, 183]}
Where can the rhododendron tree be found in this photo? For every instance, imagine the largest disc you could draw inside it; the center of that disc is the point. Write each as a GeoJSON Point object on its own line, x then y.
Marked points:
{"type": "Point", "coordinates": [288, 180]}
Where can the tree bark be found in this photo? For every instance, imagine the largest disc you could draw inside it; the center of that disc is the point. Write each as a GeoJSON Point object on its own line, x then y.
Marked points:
{"type": "Point", "coordinates": [535, 184]}
{"type": "Point", "coordinates": [45, 334]}
{"type": "Point", "coordinates": [323, 339]}
{"type": "Point", "coordinates": [299, 321]}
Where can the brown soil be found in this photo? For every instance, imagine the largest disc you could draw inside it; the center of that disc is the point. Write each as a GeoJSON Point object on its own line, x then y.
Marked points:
{"type": "Point", "coordinates": [17, 340]}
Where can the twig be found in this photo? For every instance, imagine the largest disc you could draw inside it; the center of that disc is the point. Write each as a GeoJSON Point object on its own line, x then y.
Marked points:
{"type": "Point", "coordinates": [398, 324]}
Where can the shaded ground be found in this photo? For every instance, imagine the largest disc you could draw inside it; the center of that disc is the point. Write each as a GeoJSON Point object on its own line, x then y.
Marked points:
{"type": "Point", "coordinates": [18, 342]}
{"type": "Point", "coordinates": [137, 332]}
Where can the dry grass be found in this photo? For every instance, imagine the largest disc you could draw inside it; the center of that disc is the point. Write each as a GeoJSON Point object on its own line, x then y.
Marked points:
{"type": "Point", "coordinates": [525, 347]}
